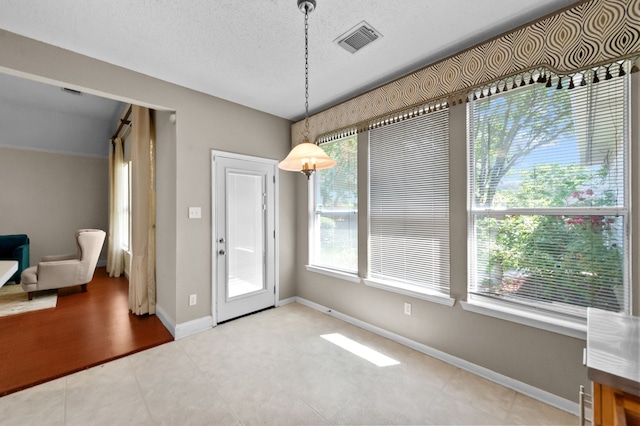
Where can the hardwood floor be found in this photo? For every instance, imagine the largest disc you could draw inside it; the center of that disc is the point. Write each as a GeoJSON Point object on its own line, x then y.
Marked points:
{"type": "Point", "coordinates": [83, 330]}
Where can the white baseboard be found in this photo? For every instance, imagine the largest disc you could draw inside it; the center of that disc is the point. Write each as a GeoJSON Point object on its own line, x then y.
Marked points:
{"type": "Point", "coordinates": [508, 382]}
{"type": "Point", "coordinates": [193, 327]}
{"type": "Point", "coordinates": [182, 330]}
{"type": "Point", "coordinates": [166, 320]}
{"type": "Point", "coordinates": [286, 301]}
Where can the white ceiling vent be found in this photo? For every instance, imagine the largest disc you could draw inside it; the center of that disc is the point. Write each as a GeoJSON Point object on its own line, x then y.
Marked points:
{"type": "Point", "coordinates": [358, 37]}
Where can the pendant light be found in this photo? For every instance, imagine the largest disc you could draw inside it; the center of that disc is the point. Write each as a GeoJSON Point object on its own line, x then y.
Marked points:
{"type": "Point", "coordinates": [306, 157]}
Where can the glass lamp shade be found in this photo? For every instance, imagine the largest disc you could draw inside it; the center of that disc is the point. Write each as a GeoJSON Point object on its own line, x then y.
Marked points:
{"type": "Point", "coordinates": [306, 158]}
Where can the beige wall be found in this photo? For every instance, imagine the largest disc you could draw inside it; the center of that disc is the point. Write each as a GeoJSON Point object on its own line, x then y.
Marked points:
{"type": "Point", "coordinates": [165, 211]}
{"type": "Point", "coordinates": [183, 162]}
{"type": "Point", "coordinates": [50, 196]}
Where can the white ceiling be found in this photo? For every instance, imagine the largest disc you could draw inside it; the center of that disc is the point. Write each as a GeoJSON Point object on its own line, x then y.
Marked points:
{"type": "Point", "coordinates": [252, 52]}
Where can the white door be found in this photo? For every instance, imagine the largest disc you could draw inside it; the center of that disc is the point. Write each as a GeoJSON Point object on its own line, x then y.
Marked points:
{"type": "Point", "coordinates": [243, 234]}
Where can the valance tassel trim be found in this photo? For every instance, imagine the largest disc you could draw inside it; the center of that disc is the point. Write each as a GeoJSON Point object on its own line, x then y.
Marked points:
{"type": "Point", "coordinates": [406, 114]}
{"type": "Point", "coordinates": [338, 134]}
{"type": "Point", "coordinates": [547, 77]}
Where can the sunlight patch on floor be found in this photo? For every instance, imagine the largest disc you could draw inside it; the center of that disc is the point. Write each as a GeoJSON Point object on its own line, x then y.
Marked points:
{"type": "Point", "coordinates": [362, 351]}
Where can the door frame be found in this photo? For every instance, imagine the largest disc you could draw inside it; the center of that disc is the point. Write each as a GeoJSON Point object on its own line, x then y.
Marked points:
{"type": "Point", "coordinates": [214, 195]}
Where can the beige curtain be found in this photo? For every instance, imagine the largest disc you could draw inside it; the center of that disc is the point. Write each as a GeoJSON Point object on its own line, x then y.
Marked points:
{"type": "Point", "coordinates": [117, 182]}
{"type": "Point", "coordinates": [142, 280]}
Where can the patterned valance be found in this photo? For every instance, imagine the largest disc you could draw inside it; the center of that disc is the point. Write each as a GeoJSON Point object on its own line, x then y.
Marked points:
{"type": "Point", "coordinates": [590, 34]}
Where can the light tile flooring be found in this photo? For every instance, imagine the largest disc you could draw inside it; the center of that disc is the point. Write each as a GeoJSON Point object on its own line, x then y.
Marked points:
{"type": "Point", "coordinates": [274, 368]}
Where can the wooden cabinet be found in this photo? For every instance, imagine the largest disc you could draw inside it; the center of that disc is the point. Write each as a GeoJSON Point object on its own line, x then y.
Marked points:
{"type": "Point", "coordinates": [613, 407]}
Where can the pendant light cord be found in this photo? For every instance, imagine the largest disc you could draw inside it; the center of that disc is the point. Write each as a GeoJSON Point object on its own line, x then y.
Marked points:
{"type": "Point", "coordinates": [305, 134]}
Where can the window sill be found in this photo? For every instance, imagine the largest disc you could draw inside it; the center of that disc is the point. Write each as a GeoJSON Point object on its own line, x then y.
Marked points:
{"type": "Point", "coordinates": [522, 315]}
{"type": "Point", "coordinates": [333, 273]}
{"type": "Point", "coordinates": [413, 291]}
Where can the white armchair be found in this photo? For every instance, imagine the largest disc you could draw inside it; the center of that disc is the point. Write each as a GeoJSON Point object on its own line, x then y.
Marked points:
{"type": "Point", "coordinates": [66, 270]}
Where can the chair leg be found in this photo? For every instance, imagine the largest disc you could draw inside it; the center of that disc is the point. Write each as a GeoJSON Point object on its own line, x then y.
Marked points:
{"type": "Point", "coordinates": [30, 295]}
{"type": "Point", "coordinates": [84, 288]}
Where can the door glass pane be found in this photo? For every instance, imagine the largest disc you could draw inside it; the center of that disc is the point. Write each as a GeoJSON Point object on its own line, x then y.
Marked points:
{"type": "Point", "coordinates": [245, 247]}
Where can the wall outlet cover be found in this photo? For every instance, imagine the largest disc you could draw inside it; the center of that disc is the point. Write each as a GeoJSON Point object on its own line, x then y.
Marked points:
{"type": "Point", "coordinates": [407, 308]}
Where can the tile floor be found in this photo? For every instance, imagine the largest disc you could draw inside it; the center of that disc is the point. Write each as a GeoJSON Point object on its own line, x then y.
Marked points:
{"type": "Point", "coordinates": [274, 368]}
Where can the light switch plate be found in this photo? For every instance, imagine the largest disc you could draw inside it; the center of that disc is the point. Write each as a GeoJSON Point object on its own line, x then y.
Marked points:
{"type": "Point", "coordinates": [407, 308]}
{"type": "Point", "coordinates": [195, 212]}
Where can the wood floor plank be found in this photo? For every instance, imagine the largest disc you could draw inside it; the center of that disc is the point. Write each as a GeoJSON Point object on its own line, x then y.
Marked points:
{"type": "Point", "coordinates": [83, 330]}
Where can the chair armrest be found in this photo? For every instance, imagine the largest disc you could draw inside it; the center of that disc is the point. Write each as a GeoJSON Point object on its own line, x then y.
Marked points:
{"type": "Point", "coordinates": [21, 254]}
{"type": "Point", "coordinates": [51, 274]}
{"type": "Point", "coordinates": [55, 258]}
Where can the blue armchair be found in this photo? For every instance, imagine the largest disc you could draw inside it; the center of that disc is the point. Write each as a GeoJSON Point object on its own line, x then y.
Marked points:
{"type": "Point", "coordinates": [15, 247]}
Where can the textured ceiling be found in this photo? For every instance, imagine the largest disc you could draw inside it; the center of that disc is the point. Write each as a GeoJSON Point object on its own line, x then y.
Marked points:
{"type": "Point", "coordinates": [252, 52]}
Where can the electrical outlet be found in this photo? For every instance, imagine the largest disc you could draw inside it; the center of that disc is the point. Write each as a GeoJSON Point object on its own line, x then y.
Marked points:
{"type": "Point", "coordinates": [195, 212]}
{"type": "Point", "coordinates": [193, 299]}
{"type": "Point", "coordinates": [407, 308]}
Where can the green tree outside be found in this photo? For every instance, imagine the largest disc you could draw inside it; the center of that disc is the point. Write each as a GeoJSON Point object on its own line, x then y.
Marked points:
{"type": "Point", "coordinates": [572, 259]}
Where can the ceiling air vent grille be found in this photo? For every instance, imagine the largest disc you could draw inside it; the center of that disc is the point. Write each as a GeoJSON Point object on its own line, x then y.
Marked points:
{"type": "Point", "coordinates": [71, 91]}
{"type": "Point", "coordinates": [358, 37]}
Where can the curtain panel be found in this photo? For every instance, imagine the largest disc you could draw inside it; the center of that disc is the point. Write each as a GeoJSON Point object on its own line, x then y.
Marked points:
{"type": "Point", "coordinates": [592, 33]}
{"type": "Point", "coordinates": [117, 181]}
{"type": "Point", "coordinates": [142, 282]}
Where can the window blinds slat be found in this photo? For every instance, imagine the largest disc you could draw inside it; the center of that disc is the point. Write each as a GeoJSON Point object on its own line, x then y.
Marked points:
{"type": "Point", "coordinates": [409, 202]}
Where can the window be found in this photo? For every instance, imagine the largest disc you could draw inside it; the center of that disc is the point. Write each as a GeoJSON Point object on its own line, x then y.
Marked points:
{"type": "Point", "coordinates": [409, 206]}
{"type": "Point", "coordinates": [549, 208]}
{"type": "Point", "coordinates": [334, 225]}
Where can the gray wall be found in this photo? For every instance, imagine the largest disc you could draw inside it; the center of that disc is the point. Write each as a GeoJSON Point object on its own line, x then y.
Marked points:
{"type": "Point", "coordinates": [183, 162]}
{"type": "Point", "coordinates": [50, 196]}
{"type": "Point", "coordinates": [166, 144]}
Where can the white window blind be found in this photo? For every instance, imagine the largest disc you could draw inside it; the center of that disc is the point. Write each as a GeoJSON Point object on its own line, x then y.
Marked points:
{"type": "Point", "coordinates": [548, 196]}
{"type": "Point", "coordinates": [334, 232]}
{"type": "Point", "coordinates": [409, 203]}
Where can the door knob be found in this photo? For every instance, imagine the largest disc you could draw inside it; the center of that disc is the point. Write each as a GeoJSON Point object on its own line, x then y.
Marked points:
{"type": "Point", "coordinates": [221, 252]}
